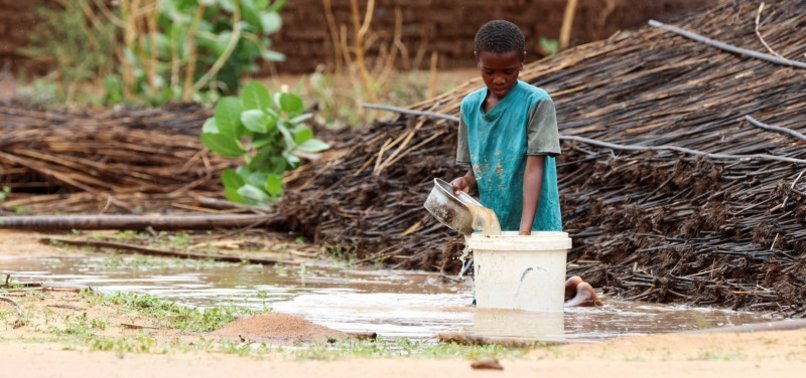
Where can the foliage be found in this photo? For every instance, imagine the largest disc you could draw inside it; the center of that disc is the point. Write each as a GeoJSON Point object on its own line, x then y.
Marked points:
{"type": "Point", "coordinates": [156, 51]}
{"type": "Point", "coordinates": [77, 50]}
{"type": "Point", "coordinates": [275, 133]}
{"type": "Point", "coordinates": [4, 193]}
{"type": "Point", "coordinates": [549, 46]}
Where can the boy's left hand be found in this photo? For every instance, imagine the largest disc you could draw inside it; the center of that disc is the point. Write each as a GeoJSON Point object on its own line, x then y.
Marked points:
{"type": "Point", "coordinates": [525, 232]}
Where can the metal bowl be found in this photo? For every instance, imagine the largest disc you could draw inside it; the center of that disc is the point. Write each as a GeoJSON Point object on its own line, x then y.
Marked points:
{"type": "Point", "coordinates": [449, 209]}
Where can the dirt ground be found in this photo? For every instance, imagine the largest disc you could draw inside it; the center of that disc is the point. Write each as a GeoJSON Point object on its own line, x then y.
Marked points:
{"type": "Point", "coordinates": [42, 348]}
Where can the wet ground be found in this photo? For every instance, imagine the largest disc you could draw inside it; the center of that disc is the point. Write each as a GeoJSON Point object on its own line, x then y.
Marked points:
{"type": "Point", "coordinates": [391, 303]}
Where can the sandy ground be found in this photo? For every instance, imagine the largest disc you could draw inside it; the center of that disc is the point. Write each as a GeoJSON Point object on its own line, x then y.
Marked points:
{"type": "Point", "coordinates": [27, 351]}
{"type": "Point", "coordinates": [778, 354]}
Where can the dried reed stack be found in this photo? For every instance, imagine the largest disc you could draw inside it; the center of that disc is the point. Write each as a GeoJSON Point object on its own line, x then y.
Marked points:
{"type": "Point", "coordinates": [124, 161]}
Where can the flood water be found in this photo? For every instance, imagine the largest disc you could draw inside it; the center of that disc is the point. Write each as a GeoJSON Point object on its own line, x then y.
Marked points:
{"type": "Point", "coordinates": [391, 303]}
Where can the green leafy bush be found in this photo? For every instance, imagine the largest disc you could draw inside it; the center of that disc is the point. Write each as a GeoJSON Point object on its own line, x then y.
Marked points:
{"type": "Point", "coordinates": [157, 51]}
{"type": "Point", "coordinates": [268, 132]}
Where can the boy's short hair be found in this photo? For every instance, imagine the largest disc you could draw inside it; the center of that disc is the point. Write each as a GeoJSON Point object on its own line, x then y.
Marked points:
{"type": "Point", "coordinates": [500, 36]}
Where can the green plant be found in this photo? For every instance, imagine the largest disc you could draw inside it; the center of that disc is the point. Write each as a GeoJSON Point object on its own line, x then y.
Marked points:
{"type": "Point", "coordinates": [77, 47]}
{"type": "Point", "coordinates": [155, 51]}
{"type": "Point", "coordinates": [275, 134]}
{"type": "Point", "coordinates": [549, 46]}
{"type": "Point", "coordinates": [4, 193]}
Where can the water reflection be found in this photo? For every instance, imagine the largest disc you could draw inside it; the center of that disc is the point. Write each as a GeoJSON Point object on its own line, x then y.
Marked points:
{"type": "Point", "coordinates": [392, 303]}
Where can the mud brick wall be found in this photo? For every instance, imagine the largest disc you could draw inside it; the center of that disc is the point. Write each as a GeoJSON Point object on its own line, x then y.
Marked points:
{"type": "Point", "coordinates": [17, 18]}
{"type": "Point", "coordinates": [444, 26]}
{"type": "Point", "coordinates": [448, 26]}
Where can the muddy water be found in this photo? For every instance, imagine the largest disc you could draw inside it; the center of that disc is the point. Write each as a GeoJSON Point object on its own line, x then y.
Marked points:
{"type": "Point", "coordinates": [484, 220]}
{"type": "Point", "coordinates": [392, 303]}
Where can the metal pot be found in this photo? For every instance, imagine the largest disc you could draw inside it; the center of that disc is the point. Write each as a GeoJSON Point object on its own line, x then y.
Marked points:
{"type": "Point", "coordinates": [449, 209]}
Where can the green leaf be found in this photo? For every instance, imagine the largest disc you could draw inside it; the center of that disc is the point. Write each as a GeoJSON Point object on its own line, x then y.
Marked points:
{"type": "Point", "coordinates": [274, 185]}
{"type": "Point", "coordinates": [222, 144]}
{"type": "Point", "coordinates": [270, 22]}
{"type": "Point", "coordinates": [302, 134]}
{"type": "Point", "coordinates": [251, 15]}
{"type": "Point", "coordinates": [268, 160]}
{"type": "Point", "coordinates": [292, 159]}
{"type": "Point", "coordinates": [210, 126]}
{"type": "Point", "coordinates": [277, 6]}
{"type": "Point", "coordinates": [232, 195]}
{"type": "Point", "coordinates": [313, 145]}
{"type": "Point", "coordinates": [287, 136]}
{"type": "Point", "coordinates": [255, 96]}
{"type": "Point", "coordinates": [273, 56]}
{"type": "Point", "coordinates": [291, 103]}
{"type": "Point", "coordinates": [113, 89]}
{"type": "Point", "coordinates": [228, 116]}
{"type": "Point", "coordinates": [262, 140]}
{"type": "Point", "coordinates": [252, 192]}
{"type": "Point", "coordinates": [231, 179]}
{"type": "Point", "coordinates": [226, 4]}
{"type": "Point", "coordinates": [254, 120]}
{"type": "Point", "coordinates": [300, 118]}
{"type": "Point", "coordinates": [551, 46]}
{"type": "Point", "coordinates": [256, 179]}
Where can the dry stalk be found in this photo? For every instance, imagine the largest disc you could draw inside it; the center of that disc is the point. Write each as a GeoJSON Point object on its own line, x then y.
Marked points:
{"type": "Point", "coordinates": [397, 41]}
{"type": "Point", "coordinates": [233, 42]}
{"type": "Point", "coordinates": [129, 38]}
{"type": "Point", "coordinates": [151, 22]}
{"type": "Point", "coordinates": [360, 34]}
{"type": "Point", "coordinates": [101, 5]}
{"type": "Point", "coordinates": [334, 34]}
{"type": "Point", "coordinates": [94, 23]}
{"type": "Point", "coordinates": [568, 22]}
{"type": "Point", "coordinates": [190, 46]}
{"type": "Point", "coordinates": [758, 32]}
{"type": "Point", "coordinates": [393, 156]}
{"type": "Point", "coordinates": [432, 77]}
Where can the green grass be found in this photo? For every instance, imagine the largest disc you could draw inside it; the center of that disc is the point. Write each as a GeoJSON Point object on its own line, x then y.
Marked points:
{"type": "Point", "coordinates": [169, 314]}
{"type": "Point", "coordinates": [714, 355]}
{"type": "Point", "coordinates": [401, 347]}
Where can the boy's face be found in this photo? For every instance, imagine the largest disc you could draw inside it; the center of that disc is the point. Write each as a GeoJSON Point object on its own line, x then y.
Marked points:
{"type": "Point", "coordinates": [500, 71]}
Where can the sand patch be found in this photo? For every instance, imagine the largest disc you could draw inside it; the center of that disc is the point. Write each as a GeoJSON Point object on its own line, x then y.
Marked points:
{"type": "Point", "coordinates": [277, 326]}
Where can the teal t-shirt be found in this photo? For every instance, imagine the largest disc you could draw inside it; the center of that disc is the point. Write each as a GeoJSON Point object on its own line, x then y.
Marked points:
{"type": "Point", "coordinates": [496, 144]}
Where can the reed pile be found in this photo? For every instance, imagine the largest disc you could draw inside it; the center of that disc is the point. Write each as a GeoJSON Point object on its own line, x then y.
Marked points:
{"type": "Point", "coordinates": [656, 225]}
{"type": "Point", "coordinates": [126, 161]}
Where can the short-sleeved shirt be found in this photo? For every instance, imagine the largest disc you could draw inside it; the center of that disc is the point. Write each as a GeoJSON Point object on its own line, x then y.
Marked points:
{"type": "Point", "coordinates": [495, 144]}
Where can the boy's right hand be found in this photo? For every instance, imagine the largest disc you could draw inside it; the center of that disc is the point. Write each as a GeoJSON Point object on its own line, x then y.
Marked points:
{"type": "Point", "coordinates": [460, 185]}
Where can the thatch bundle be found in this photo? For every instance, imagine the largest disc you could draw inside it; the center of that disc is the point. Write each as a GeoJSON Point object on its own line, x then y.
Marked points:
{"type": "Point", "coordinates": [97, 162]}
{"type": "Point", "coordinates": [656, 225]}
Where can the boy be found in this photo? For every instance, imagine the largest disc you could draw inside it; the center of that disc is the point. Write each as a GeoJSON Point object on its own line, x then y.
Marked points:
{"type": "Point", "coordinates": [508, 137]}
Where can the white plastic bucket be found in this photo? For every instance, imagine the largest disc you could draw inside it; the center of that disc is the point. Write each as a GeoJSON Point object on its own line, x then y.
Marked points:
{"type": "Point", "coordinates": [520, 272]}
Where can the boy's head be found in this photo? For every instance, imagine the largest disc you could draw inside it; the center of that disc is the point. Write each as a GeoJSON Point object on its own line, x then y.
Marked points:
{"type": "Point", "coordinates": [499, 36]}
{"type": "Point", "coordinates": [500, 52]}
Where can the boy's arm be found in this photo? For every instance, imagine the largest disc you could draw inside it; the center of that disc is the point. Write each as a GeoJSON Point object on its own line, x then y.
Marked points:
{"type": "Point", "coordinates": [532, 183]}
{"type": "Point", "coordinates": [466, 183]}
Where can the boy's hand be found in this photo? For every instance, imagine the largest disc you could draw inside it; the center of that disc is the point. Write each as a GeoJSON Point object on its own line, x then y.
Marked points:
{"type": "Point", "coordinates": [525, 232]}
{"type": "Point", "coordinates": [466, 183]}
{"type": "Point", "coordinates": [460, 185]}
